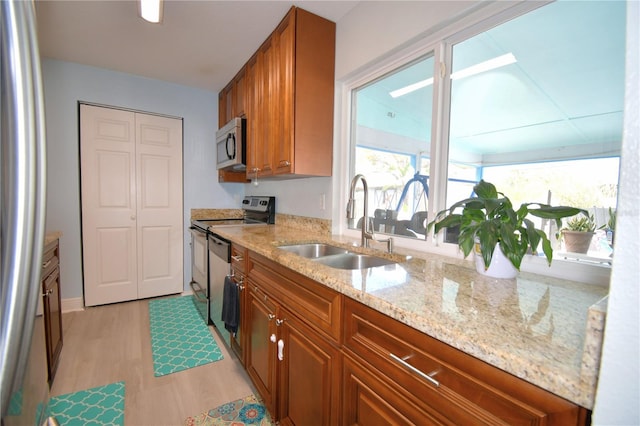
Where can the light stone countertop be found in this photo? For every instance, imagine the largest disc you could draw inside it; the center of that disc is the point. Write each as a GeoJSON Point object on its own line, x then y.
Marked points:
{"type": "Point", "coordinates": [535, 327]}
{"type": "Point", "coordinates": [50, 237]}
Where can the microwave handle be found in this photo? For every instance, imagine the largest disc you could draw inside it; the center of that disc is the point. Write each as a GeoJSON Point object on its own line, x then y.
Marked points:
{"type": "Point", "coordinates": [231, 137]}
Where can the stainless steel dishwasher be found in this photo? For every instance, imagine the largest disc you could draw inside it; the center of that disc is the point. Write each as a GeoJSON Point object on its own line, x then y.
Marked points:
{"type": "Point", "coordinates": [219, 268]}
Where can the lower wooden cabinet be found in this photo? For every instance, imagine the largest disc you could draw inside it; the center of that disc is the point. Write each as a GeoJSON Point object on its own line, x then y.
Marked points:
{"type": "Point", "coordinates": [308, 376]}
{"type": "Point", "coordinates": [317, 357]}
{"type": "Point", "coordinates": [51, 305]}
{"type": "Point", "coordinates": [370, 400]}
{"type": "Point", "coordinates": [295, 368]}
{"type": "Point", "coordinates": [239, 259]}
{"type": "Point", "coordinates": [260, 346]}
{"type": "Point", "coordinates": [413, 372]}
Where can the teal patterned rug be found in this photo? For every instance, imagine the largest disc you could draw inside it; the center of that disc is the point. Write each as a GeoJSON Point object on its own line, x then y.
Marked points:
{"type": "Point", "coordinates": [179, 337]}
{"type": "Point", "coordinates": [100, 406]}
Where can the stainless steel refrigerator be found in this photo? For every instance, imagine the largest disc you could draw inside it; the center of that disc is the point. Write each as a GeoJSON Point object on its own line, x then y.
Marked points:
{"type": "Point", "coordinates": [24, 390]}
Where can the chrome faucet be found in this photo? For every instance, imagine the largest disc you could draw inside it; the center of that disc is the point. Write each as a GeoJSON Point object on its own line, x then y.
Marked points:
{"type": "Point", "coordinates": [366, 234]}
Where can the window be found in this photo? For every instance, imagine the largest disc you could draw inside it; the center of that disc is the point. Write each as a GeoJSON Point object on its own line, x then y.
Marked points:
{"type": "Point", "coordinates": [392, 143]}
{"type": "Point", "coordinates": [533, 105]}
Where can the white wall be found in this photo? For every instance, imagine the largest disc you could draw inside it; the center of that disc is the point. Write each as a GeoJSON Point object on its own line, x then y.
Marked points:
{"type": "Point", "coordinates": [619, 382]}
{"type": "Point", "coordinates": [65, 84]}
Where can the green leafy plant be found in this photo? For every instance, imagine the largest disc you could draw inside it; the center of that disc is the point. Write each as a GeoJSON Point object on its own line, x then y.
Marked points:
{"type": "Point", "coordinates": [581, 223]}
{"type": "Point", "coordinates": [489, 218]}
{"type": "Point", "coordinates": [611, 223]}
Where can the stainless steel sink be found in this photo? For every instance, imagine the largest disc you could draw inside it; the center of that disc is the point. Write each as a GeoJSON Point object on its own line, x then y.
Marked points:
{"type": "Point", "coordinates": [353, 261]}
{"type": "Point", "coordinates": [314, 250]}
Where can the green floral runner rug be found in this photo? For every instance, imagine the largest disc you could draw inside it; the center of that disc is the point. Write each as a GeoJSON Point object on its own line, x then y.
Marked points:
{"type": "Point", "coordinates": [99, 406]}
{"type": "Point", "coordinates": [245, 411]}
{"type": "Point", "coordinates": [179, 337]}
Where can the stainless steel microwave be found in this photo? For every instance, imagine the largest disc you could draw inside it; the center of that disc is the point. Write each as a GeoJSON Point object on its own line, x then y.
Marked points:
{"type": "Point", "coordinates": [231, 145]}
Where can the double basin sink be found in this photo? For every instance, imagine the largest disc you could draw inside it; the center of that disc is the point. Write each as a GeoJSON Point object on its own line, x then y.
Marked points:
{"type": "Point", "coordinates": [336, 257]}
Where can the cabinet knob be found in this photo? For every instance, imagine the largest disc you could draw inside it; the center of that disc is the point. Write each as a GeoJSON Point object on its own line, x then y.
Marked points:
{"type": "Point", "coordinates": [133, 217]}
{"type": "Point", "coordinates": [284, 163]}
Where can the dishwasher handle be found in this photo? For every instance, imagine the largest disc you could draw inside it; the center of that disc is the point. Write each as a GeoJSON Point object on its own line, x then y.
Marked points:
{"type": "Point", "coordinates": [220, 247]}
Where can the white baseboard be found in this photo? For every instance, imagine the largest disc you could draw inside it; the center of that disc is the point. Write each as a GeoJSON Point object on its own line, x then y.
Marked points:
{"type": "Point", "coordinates": [77, 303]}
{"type": "Point", "coordinates": [73, 304]}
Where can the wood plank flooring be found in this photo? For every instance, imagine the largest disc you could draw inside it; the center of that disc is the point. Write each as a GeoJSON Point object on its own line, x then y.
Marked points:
{"type": "Point", "coordinates": [111, 343]}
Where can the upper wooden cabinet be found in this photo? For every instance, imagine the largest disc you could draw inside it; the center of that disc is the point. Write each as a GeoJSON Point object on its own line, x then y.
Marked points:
{"type": "Point", "coordinates": [286, 93]}
{"type": "Point", "coordinates": [231, 99]}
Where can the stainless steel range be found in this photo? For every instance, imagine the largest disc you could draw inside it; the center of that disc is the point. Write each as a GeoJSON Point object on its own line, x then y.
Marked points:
{"type": "Point", "coordinates": [211, 255]}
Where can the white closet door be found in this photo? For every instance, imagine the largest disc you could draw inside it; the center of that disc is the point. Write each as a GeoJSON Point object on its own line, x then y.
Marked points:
{"type": "Point", "coordinates": [159, 200]}
{"type": "Point", "coordinates": [131, 205]}
{"type": "Point", "coordinates": [108, 164]}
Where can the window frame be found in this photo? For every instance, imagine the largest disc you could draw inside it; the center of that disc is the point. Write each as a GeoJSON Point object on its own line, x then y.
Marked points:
{"type": "Point", "coordinates": [440, 44]}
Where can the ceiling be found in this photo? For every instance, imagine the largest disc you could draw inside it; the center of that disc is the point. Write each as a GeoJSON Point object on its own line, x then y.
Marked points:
{"type": "Point", "coordinates": [562, 98]}
{"type": "Point", "coordinates": [199, 43]}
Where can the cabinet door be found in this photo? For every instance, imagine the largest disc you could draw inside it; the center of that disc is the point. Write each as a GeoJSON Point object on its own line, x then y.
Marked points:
{"type": "Point", "coordinates": [269, 107]}
{"type": "Point", "coordinates": [237, 340]}
{"type": "Point", "coordinates": [53, 320]}
{"type": "Point", "coordinates": [309, 375]}
{"type": "Point", "coordinates": [253, 84]}
{"type": "Point", "coordinates": [238, 271]}
{"type": "Point", "coordinates": [283, 144]}
{"type": "Point", "coordinates": [261, 346]}
{"type": "Point", "coordinates": [370, 401]}
{"type": "Point", "coordinates": [222, 110]}
{"type": "Point", "coordinates": [239, 94]}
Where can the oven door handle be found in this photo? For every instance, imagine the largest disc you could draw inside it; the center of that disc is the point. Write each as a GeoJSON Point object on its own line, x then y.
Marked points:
{"type": "Point", "coordinates": [198, 291]}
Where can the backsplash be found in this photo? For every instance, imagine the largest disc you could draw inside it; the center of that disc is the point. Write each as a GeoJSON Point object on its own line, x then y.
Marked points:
{"type": "Point", "coordinates": [216, 214]}
{"type": "Point", "coordinates": [322, 226]}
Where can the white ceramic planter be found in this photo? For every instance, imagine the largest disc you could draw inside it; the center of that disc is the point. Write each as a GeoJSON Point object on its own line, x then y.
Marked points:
{"type": "Point", "coordinates": [500, 266]}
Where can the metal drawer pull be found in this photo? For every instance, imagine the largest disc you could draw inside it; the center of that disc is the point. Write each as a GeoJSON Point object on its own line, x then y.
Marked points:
{"type": "Point", "coordinates": [46, 264]}
{"type": "Point", "coordinates": [237, 258]}
{"type": "Point", "coordinates": [427, 377]}
{"type": "Point", "coordinates": [271, 316]}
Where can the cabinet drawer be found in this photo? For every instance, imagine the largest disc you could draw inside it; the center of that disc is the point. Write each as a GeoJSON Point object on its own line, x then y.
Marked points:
{"type": "Point", "coordinates": [238, 259]}
{"type": "Point", "coordinates": [319, 306]}
{"type": "Point", "coordinates": [455, 383]}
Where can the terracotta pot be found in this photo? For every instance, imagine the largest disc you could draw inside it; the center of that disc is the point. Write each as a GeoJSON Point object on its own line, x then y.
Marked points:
{"type": "Point", "coordinates": [500, 266]}
{"type": "Point", "coordinates": [577, 242]}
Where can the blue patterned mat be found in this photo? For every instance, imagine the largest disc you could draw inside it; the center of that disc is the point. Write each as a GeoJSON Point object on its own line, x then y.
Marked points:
{"type": "Point", "coordinates": [100, 406]}
{"type": "Point", "coordinates": [179, 337]}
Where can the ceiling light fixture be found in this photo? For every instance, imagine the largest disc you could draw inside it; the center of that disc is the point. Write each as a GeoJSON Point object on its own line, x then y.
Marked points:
{"type": "Point", "coordinates": [151, 10]}
{"type": "Point", "coordinates": [491, 64]}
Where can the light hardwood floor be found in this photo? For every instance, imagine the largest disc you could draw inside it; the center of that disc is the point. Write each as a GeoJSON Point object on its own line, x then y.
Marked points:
{"type": "Point", "coordinates": [111, 343]}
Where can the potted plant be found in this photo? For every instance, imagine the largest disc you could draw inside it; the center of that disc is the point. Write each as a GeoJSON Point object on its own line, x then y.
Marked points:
{"type": "Point", "coordinates": [578, 232]}
{"type": "Point", "coordinates": [489, 220]}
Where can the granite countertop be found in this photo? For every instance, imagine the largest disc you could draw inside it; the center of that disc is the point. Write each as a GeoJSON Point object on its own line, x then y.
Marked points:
{"type": "Point", "coordinates": [544, 330]}
{"type": "Point", "coordinates": [50, 237]}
